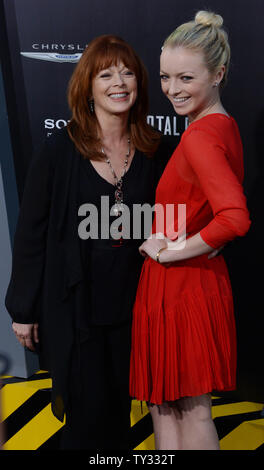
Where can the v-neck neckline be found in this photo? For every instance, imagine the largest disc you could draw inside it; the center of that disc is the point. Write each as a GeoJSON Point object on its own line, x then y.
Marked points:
{"type": "Point", "coordinates": [105, 180]}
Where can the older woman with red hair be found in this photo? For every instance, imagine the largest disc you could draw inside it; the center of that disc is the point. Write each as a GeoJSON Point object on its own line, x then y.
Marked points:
{"type": "Point", "coordinates": [71, 294]}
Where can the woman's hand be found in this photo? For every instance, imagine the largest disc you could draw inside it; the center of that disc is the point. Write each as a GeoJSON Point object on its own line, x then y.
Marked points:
{"type": "Point", "coordinates": [177, 250]}
{"type": "Point", "coordinates": [27, 334]}
{"type": "Point", "coordinates": [152, 245]}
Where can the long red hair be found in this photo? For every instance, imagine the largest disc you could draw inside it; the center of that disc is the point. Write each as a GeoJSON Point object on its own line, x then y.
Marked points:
{"type": "Point", "coordinates": [100, 54]}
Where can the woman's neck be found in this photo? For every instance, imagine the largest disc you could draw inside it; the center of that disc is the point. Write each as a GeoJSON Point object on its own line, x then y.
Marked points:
{"type": "Point", "coordinates": [113, 129]}
{"type": "Point", "coordinates": [215, 107]}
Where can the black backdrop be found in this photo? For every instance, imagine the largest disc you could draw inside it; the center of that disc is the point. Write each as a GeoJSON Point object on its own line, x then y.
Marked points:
{"type": "Point", "coordinates": [36, 98]}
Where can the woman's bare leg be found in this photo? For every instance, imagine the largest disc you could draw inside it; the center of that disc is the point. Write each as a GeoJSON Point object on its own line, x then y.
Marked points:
{"type": "Point", "coordinates": [197, 428]}
{"type": "Point", "coordinates": [185, 424]}
{"type": "Point", "coordinates": [165, 426]}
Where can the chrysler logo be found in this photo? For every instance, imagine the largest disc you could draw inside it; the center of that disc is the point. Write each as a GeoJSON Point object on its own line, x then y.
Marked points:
{"type": "Point", "coordinates": [52, 57]}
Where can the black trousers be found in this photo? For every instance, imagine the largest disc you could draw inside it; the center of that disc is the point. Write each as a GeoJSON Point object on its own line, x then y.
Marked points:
{"type": "Point", "coordinates": [98, 413]}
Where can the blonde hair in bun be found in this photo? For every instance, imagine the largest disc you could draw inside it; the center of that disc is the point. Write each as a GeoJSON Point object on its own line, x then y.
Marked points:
{"type": "Point", "coordinates": [205, 34]}
{"type": "Point", "coordinates": [207, 18]}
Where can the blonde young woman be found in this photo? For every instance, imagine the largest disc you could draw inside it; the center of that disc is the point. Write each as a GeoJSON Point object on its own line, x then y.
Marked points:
{"type": "Point", "coordinates": [183, 337]}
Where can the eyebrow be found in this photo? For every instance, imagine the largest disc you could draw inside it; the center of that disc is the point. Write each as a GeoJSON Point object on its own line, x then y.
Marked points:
{"type": "Point", "coordinates": [181, 73]}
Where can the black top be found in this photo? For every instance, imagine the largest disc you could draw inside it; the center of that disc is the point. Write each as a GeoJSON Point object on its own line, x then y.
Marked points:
{"type": "Point", "coordinates": [112, 265]}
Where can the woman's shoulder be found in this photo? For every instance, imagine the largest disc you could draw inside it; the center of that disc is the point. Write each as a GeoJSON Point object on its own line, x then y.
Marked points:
{"type": "Point", "coordinates": [55, 146]}
{"type": "Point", "coordinates": [214, 123]}
{"type": "Point", "coordinates": [59, 138]}
{"type": "Point", "coordinates": [214, 128]}
{"type": "Point", "coordinates": [52, 150]}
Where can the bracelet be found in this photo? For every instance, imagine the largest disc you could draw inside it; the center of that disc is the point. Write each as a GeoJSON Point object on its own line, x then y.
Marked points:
{"type": "Point", "coordinates": [159, 252]}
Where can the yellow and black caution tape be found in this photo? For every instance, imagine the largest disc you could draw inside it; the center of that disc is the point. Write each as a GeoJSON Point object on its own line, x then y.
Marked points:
{"type": "Point", "coordinates": [29, 424]}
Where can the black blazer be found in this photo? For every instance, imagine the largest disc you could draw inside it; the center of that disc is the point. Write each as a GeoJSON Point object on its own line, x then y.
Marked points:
{"type": "Point", "coordinates": [46, 281]}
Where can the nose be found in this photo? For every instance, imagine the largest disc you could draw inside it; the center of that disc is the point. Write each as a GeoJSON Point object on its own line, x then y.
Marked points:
{"type": "Point", "coordinates": [118, 79]}
{"type": "Point", "coordinates": [174, 87]}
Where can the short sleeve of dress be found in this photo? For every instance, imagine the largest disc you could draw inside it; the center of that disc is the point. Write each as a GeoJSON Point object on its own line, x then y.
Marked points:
{"type": "Point", "coordinates": [209, 161]}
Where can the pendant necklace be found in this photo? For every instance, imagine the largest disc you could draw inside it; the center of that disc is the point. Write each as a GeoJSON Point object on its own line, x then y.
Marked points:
{"type": "Point", "coordinates": [118, 206]}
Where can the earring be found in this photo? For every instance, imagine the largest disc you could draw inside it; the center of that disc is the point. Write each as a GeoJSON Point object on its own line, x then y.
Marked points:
{"type": "Point", "coordinates": [216, 84]}
{"type": "Point", "coordinates": [91, 106]}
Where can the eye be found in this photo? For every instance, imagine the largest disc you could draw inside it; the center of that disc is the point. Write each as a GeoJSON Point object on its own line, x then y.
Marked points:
{"type": "Point", "coordinates": [129, 73]}
{"type": "Point", "coordinates": [164, 77]}
{"type": "Point", "coordinates": [105, 75]}
{"type": "Point", "coordinates": [186, 78]}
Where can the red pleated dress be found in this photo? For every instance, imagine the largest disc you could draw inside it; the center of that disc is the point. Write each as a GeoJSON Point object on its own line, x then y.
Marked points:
{"type": "Point", "coordinates": [183, 333]}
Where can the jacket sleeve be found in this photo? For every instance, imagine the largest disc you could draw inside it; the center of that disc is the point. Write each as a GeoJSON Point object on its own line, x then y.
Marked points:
{"type": "Point", "coordinates": [221, 187]}
{"type": "Point", "coordinates": [30, 240]}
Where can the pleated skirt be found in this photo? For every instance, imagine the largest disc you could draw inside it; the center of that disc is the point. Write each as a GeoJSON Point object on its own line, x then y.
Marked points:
{"type": "Point", "coordinates": [183, 332]}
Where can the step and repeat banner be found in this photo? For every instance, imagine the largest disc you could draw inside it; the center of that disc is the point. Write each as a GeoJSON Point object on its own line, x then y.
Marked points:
{"type": "Point", "coordinates": [42, 40]}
